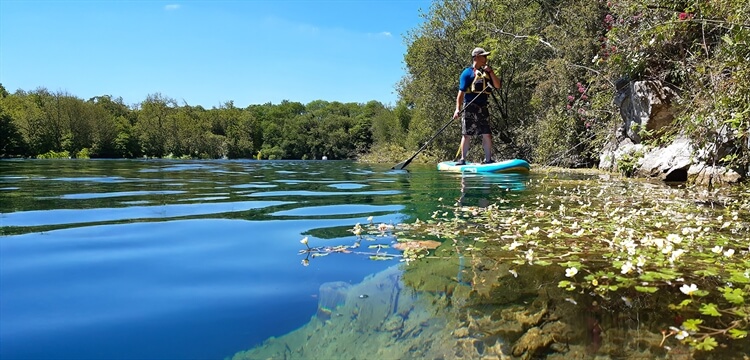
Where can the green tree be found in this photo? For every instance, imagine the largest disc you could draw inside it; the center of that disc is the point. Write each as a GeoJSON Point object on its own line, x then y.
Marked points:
{"type": "Point", "coordinates": [152, 126]}
{"type": "Point", "coordinates": [10, 137]}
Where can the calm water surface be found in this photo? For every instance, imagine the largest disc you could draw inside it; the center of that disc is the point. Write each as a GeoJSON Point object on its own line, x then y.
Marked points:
{"type": "Point", "coordinates": [189, 259]}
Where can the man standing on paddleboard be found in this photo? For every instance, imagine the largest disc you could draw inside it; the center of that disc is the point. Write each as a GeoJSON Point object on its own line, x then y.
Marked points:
{"type": "Point", "coordinates": [476, 81]}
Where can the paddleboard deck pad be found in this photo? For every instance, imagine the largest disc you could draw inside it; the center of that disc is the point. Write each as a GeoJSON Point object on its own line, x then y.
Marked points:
{"type": "Point", "coordinates": [507, 166]}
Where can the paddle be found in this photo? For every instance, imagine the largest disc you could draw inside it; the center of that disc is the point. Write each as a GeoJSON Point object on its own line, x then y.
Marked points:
{"type": "Point", "coordinates": [402, 165]}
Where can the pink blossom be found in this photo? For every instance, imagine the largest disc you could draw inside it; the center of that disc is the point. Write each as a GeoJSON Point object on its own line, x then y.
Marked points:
{"type": "Point", "coordinates": [584, 97]}
{"type": "Point", "coordinates": [609, 19]}
{"type": "Point", "coordinates": [568, 107]}
{"type": "Point", "coordinates": [570, 98]}
{"type": "Point", "coordinates": [685, 16]}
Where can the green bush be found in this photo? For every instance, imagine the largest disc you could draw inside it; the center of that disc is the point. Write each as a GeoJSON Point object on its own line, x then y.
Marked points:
{"type": "Point", "coordinates": [54, 155]}
{"type": "Point", "coordinates": [84, 153]}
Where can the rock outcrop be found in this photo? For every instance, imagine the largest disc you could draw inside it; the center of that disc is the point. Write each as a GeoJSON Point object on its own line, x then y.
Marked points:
{"type": "Point", "coordinates": [647, 109]}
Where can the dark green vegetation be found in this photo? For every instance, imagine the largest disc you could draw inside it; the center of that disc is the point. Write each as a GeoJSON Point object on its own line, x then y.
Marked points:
{"type": "Point", "coordinates": [44, 124]}
{"type": "Point", "coordinates": [560, 62]}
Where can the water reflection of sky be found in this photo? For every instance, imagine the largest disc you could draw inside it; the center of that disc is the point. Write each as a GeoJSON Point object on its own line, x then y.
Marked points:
{"type": "Point", "coordinates": [107, 259]}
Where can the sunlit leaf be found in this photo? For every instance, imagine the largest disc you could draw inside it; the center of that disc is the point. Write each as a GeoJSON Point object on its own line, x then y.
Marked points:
{"type": "Point", "coordinates": [709, 343]}
{"type": "Point", "coordinates": [378, 246]}
{"type": "Point", "coordinates": [681, 305]}
{"type": "Point", "coordinates": [738, 277]}
{"type": "Point", "coordinates": [569, 264]}
{"type": "Point", "coordinates": [692, 324]}
{"type": "Point", "coordinates": [709, 309]}
{"type": "Point", "coordinates": [737, 333]}
{"type": "Point", "coordinates": [647, 289]}
{"type": "Point", "coordinates": [707, 272]}
{"type": "Point", "coordinates": [700, 293]}
{"type": "Point", "coordinates": [734, 296]}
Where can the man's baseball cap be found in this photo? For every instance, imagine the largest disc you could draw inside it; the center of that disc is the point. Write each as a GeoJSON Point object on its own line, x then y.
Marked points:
{"type": "Point", "coordinates": [479, 52]}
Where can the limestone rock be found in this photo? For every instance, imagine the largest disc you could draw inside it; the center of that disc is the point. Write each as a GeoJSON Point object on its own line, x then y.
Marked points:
{"type": "Point", "coordinates": [645, 105]}
{"type": "Point", "coordinates": [662, 163]}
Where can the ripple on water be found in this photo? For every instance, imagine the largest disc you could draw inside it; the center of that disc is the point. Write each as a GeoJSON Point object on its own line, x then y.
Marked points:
{"type": "Point", "coordinates": [118, 194]}
{"type": "Point", "coordinates": [347, 186]}
{"type": "Point", "coordinates": [77, 216]}
{"type": "Point", "coordinates": [328, 210]}
{"type": "Point", "coordinates": [322, 193]}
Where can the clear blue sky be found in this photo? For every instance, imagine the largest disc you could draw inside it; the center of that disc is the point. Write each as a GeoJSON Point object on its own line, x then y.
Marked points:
{"type": "Point", "coordinates": [208, 52]}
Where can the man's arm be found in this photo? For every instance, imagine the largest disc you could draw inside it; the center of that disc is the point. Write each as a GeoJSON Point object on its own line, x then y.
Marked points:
{"type": "Point", "coordinates": [495, 80]}
{"type": "Point", "coordinates": [459, 101]}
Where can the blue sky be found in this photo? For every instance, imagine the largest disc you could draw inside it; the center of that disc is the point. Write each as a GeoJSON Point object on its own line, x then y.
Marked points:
{"type": "Point", "coordinates": [209, 52]}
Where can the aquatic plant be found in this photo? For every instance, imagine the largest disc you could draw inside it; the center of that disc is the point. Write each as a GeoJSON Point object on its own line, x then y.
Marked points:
{"type": "Point", "coordinates": [380, 235]}
{"type": "Point", "coordinates": [616, 241]}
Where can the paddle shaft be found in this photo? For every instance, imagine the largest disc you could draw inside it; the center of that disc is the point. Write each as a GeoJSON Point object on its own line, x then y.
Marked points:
{"type": "Point", "coordinates": [402, 165]}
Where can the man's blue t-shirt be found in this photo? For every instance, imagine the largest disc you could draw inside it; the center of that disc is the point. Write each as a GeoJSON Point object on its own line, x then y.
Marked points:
{"type": "Point", "coordinates": [464, 84]}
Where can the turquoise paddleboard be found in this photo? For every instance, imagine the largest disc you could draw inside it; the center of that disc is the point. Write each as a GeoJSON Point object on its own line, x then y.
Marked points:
{"type": "Point", "coordinates": [507, 166]}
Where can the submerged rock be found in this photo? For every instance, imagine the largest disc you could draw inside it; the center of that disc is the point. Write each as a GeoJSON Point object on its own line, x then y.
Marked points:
{"type": "Point", "coordinates": [331, 296]}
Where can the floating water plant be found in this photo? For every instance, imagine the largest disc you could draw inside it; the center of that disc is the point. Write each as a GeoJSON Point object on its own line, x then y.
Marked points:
{"type": "Point", "coordinates": [622, 242]}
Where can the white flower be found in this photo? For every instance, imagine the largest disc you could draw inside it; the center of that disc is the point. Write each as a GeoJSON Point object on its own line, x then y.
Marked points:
{"type": "Point", "coordinates": [571, 271]}
{"type": "Point", "coordinates": [676, 255]}
{"type": "Point", "coordinates": [674, 238]}
{"type": "Point", "coordinates": [679, 333]}
{"type": "Point", "coordinates": [688, 289]}
{"type": "Point", "coordinates": [641, 261]}
{"type": "Point", "coordinates": [382, 227]}
{"type": "Point", "coordinates": [729, 253]}
{"type": "Point", "coordinates": [532, 231]}
{"type": "Point", "coordinates": [514, 245]}
{"type": "Point", "coordinates": [513, 272]}
{"type": "Point", "coordinates": [304, 240]}
{"type": "Point", "coordinates": [717, 249]}
{"type": "Point", "coordinates": [667, 249]}
{"type": "Point", "coordinates": [630, 246]}
{"type": "Point", "coordinates": [369, 219]}
{"type": "Point", "coordinates": [530, 255]}
{"type": "Point", "coordinates": [626, 267]}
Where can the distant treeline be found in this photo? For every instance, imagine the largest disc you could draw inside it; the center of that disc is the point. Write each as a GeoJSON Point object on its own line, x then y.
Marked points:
{"type": "Point", "coordinates": [41, 123]}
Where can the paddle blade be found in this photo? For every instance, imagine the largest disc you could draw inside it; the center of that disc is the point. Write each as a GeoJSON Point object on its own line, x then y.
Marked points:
{"type": "Point", "coordinates": [401, 165]}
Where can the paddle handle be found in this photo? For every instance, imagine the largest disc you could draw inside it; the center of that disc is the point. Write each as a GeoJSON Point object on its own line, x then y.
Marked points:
{"type": "Point", "coordinates": [402, 165]}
